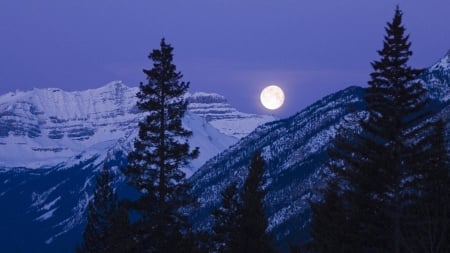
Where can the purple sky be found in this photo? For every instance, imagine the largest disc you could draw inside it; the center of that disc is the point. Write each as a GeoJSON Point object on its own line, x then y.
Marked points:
{"type": "Point", "coordinates": [231, 47]}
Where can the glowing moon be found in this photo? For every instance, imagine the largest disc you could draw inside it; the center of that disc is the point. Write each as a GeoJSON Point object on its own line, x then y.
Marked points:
{"type": "Point", "coordinates": [272, 97]}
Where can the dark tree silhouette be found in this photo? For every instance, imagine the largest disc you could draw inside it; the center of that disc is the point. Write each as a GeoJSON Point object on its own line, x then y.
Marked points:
{"type": "Point", "coordinates": [226, 218]}
{"type": "Point", "coordinates": [252, 235]}
{"type": "Point", "coordinates": [371, 167]}
{"type": "Point", "coordinates": [101, 216]}
{"type": "Point", "coordinates": [160, 152]}
{"type": "Point", "coordinates": [428, 222]}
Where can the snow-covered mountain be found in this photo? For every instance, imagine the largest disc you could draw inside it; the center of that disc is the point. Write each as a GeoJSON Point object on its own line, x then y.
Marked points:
{"type": "Point", "coordinates": [295, 152]}
{"type": "Point", "coordinates": [437, 79]}
{"type": "Point", "coordinates": [46, 127]}
{"type": "Point", "coordinates": [53, 142]}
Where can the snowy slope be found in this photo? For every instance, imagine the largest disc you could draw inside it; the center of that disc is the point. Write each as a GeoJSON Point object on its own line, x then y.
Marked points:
{"type": "Point", "coordinates": [437, 79]}
{"type": "Point", "coordinates": [46, 127]}
{"type": "Point", "coordinates": [295, 150]}
{"type": "Point", "coordinates": [216, 110]}
{"type": "Point", "coordinates": [66, 137]}
{"type": "Point", "coordinates": [295, 153]}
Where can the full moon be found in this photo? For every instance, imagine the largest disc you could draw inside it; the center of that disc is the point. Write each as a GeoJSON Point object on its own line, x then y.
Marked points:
{"type": "Point", "coordinates": [272, 97]}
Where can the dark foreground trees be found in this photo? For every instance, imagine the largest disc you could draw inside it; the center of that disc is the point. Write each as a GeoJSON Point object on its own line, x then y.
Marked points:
{"type": "Point", "coordinates": [226, 220]}
{"type": "Point", "coordinates": [241, 222]}
{"type": "Point", "coordinates": [428, 222]}
{"type": "Point", "coordinates": [161, 150]}
{"type": "Point", "coordinates": [382, 172]}
{"type": "Point", "coordinates": [102, 211]}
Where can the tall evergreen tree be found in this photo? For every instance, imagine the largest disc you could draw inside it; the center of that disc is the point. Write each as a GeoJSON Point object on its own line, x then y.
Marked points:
{"type": "Point", "coordinates": [161, 150]}
{"type": "Point", "coordinates": [372, 165]}
{"type": "Point", "coordinates": [101, 215]}
{"type": "Point", "coordinates": [226, 217]}
{"type": "Point", "coordinates": [252, 235]}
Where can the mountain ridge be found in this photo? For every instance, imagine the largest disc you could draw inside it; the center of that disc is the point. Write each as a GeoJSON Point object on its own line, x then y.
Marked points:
{"type": "Point", "coordinates": [86, 129]}
{"type": "Point", "coordinates": [295, 150]}
{"type": "Point", "coordinates": [44, 127]}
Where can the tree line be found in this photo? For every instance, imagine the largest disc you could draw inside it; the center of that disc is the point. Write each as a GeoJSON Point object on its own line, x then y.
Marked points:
{"type": "Point", "coordinates": [388, 185]}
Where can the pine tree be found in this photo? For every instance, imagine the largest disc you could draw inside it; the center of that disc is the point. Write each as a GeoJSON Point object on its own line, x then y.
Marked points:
{"type": "Point", "coordinates": [161, 150]}
{"type": "Point", "coordinates": [226, 217]}
{"type": "Point", "coordinates": [372, 165]}
{"type": "Point", "coordinates": [101, 215]}
{"type": "Point", "coordinates": [251, 235]}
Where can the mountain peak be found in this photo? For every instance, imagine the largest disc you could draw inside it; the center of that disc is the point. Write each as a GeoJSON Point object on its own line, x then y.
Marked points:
{"type": "Point", "coordinates": [443, 63]}
{"type": "Point", "coordinates": [115, 84]}
{"type": "Point", "coordinates": [436, 79]}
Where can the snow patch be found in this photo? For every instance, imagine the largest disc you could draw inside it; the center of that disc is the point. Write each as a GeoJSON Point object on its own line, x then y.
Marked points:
{"type": "Point", "coordinates": [46, 215]}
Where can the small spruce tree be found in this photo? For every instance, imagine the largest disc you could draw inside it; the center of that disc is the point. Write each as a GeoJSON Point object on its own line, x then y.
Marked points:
{"type": "Point", "coordinates": [101, 216]}
{"type": "Point", "coordinates": [329, 225]}
{"type": "Point", "coordinates": [226, 217]}
{"type": "Point", "coordinates": [252, 234]}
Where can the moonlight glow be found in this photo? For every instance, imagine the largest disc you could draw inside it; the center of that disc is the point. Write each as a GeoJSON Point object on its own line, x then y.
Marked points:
{"type": "Point", "coordinates": [272, 97]}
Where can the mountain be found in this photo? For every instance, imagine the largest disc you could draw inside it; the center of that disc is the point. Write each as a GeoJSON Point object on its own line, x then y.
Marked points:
{"type": "Point", "coordinates": [216, 110]}
{"type": "Point", "coordinates": [437, 79]}
{"type": "Point", "coordinates": [295, 154]}
{"type": "Point", "coordinates": [53, 142]}
{"type": "Point", "coordinates": [45, 127]}
{"type": "Point", "coordinates": [295, 150]}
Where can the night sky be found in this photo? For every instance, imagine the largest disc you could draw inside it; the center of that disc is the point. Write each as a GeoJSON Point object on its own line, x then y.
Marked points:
{"type": "Point", "coordinates": [231, 47]}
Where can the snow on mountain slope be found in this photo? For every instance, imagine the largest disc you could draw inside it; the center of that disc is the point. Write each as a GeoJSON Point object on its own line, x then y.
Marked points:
{"type": "Point", "coordinates": [437, 79]}
{"type": "Point", "coordinates": [66, 137]}
{"type": "Point", "coordinates": [295, 153]}
{"type": "Point", "coordinates": [216, 110]}
{"type": "Point", "coordinates": [295, 150]}
{"type": "Point", "coordinates": [46, 127]}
